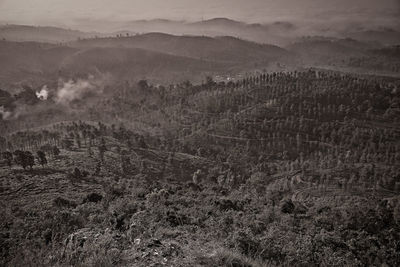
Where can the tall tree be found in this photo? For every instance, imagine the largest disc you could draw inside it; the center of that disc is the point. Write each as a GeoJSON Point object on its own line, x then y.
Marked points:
{"type": "Point", "coordinates": [41, 158]}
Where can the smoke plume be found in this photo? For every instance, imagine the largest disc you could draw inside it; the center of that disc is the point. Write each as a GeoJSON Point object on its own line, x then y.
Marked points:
{"type": "Point", "coordinates": [69, 97]}
{"type": "Point", "coordinates": [80, 89]}
{"type": "Point", "coordinates": [43, 94]}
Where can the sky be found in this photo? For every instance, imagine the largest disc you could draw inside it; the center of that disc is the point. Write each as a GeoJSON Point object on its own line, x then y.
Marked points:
{"type": "Point", "coordinates": [73, 12]}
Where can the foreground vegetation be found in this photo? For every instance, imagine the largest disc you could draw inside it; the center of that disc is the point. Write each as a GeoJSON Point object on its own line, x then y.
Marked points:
{"type": "Point", "coordinates": [294, 168]}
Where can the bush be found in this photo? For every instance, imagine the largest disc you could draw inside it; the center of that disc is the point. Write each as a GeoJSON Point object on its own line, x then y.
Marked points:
{"type": "Point", "coordinates": [93, 197]}
{"type": "Point", "coordinates": [287, 206]}
{"type": "Point", "coordinates": [60, 202]}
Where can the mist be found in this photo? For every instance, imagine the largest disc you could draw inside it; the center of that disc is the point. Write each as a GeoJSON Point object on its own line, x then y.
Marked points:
{"type": "Point", "coordinates": [106, 15]}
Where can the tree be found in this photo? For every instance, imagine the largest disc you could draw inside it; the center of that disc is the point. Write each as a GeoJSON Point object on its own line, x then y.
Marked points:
{"type": "Point", "coordinates": [77, 173]}
{"type": "Point", "coordinates": [78, 141]}
{"type": "Point", "coordinates": [102, 148]}
{"type": "Point", "coordinates": [67, 143]}
{"type": "Point", "coordinates": [24, 158]}
{"type": "Point", "coordinates": [209, 81]}
{"type": "Point", "coordinates": [125, 162]}
{"type": "Point", "coordinates": [142, 143]}
{"type": "Point", "coordinates": [20, 159]}
{"type": "Point", "coordinates": [30, 159]}
{"type": "Point", "coordinates": [56, 151]}
{"type": "Point", "coordinates": [8, 157]}
{"type": "Point", "coordinates": [143, 167]}
{"type": "Point", "coordinates": [89, 150]}
{"type": "Point", "coordinates": [143, 85]}
{"type": "Point", "coordinates": [42, 158]}
{"type": "Point", "coordinates": [98, 168]}
{"type": "Point", "coordinates": [47, 149]}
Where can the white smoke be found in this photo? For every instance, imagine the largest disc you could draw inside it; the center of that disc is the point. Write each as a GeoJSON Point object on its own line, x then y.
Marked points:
{"type": "Point", "coordinates": [61, 98]}
{"type": "Point", "coordinates": [43, 94]}
{"type": "Point", "coordinates": [72, 90]}
{"type": "Point", "coordinates": [4, 113]}
{"type": "Point", "coordinates": [79, 89]}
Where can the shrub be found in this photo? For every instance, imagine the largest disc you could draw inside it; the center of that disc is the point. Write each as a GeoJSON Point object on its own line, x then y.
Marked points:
{"type": "Point", "coordinates": [93, 197]}
{"type": "Point", "coordinates": [60, 202]}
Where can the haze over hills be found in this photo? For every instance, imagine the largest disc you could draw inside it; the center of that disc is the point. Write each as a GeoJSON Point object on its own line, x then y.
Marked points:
{"type": "Point", "coordinates": [158, 56]}
{"type": "Point", "coordinates": [172, 51]}
{"type": "Point", "coordinates": [45, 34]}
{"type": "Point", "coordinates": [359, 56]}
{"type": "Point", "coordinates": [245, 46]}
{"type": "Point", "coordinates": [274, 33]}
{"type": "Point", "coordinates": [35, 63]}
{"type": "Point", "coordinates": [24, 62]}
{"type": "Point", "coordinates": [385, 36]}
{"type": "Point", "coordinates": [279, 33]}
{"type": "Point", "coordinates": [168, 58]}
{"type": "Point", "coordinates": [320, 49]}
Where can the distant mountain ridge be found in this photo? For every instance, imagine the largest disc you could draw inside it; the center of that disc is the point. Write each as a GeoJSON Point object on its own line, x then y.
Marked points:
{"type": "Point", "coordinates": [217, 47]}
{"type": "Point", "coordinates": [279, 32]}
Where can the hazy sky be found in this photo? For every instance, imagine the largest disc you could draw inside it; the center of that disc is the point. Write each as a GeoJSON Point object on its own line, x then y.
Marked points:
{"type": "Point", "coordinates": [69, 12]}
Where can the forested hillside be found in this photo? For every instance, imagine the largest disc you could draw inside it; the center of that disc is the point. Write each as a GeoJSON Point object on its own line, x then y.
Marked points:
{"type": "Point", "coordinates": [284, 168]}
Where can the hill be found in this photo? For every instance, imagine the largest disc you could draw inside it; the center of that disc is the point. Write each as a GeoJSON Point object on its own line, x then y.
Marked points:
{"type": "Point", "coordinates": [272, 33]}
{"type": "Point", "coordinates": [27, 62]}
{"type": "Point", "coordinates": [280, 33]}
{"type": "Point", "coordinates": [224, 49]}
{"type": "Point", "coordinates": [350, 54]}
{"type": "Point", "coordinates": [136, 63]}
{"type": "Point", "coordinates": [43, 34]}
{"type": "Point", "coordinates": [320, 49]}
{"type": "Point", "coordinates": [384, 36]}
{"type": "Point", "coordinates": [277, 33]}
{"type": "Point", "coordinates": [160, 57]}
{"type": "Point", "coordinates": [217, 174]}
{"type": "Point", "coordinates": [38, 63]}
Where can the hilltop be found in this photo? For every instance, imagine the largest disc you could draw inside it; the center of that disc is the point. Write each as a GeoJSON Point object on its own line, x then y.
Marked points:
{"type": "Point", "coordinates": [225, 49]}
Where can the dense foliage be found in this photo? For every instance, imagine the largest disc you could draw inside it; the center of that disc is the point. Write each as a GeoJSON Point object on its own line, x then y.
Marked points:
{"type": "Point", "coordinates": [299, 168]}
